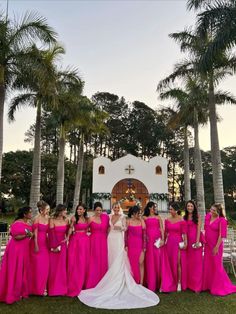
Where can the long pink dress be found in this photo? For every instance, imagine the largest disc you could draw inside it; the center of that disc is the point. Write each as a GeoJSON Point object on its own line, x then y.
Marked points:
{"type": "Point", "coordinates": [57, 280]}
{"type": "Point", "coordinates": [157, 269]}
{"type": "Point", "coordinates": [78, 257]}
{"type": "Point", "coordinates": [98, 262]}
{"type": "Point", "coordinates": [215, 277]}
{"type": "Point", "coordinates": [39, 261]}
{"type": "Point", "coordinates": [194, 259]}
{"type": "Point", "coordinates": [175, 232]}
{"type": "Point", "coordinates": [135, 244]}
{"type": "Point", "coordinates": [14, 271]}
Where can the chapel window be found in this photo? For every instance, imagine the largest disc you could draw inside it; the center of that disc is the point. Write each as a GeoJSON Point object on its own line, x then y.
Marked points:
{"type": "Point", "coordinates": [158, 170]}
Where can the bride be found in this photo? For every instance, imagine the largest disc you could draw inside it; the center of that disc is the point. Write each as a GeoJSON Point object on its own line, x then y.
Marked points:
{"type": "Point", "coordinates": [118, 289]}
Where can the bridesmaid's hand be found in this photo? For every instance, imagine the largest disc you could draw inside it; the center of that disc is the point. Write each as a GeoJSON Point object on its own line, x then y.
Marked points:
{"type": "Point", "coordinates": [162, 243]}
{"type": "Point", "coordinates": [36, 249]}
{"type": "Point", "coordinates": [126, 248]}
{"type": "Point", "coordinates": [215, 250]}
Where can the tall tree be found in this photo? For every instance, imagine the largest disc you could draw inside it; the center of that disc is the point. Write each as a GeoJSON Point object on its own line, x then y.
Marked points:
{"type": "Point", "coordinates": [196, 46]}
{"type": "Point", "coordinates": [40, 83]}
{"type": "Point", "coordinates": [15, 39]}
{"type": "Point", "coordinates": [66, 112]}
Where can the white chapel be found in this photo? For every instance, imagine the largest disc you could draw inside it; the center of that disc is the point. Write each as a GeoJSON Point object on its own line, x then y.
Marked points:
{"type": "Point", "coordinates": [130, 180]}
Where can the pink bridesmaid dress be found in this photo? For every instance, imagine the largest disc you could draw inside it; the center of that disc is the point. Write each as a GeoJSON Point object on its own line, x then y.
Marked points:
{"type": "Point", "coordinates": [78, 257]}
{"type": "Point", "coordinates": [57, 280]}
{"type": "Point", "coordinates": [175, 232]}
{"type": "Point", "coordinates": [98, 262]}
{"type": "Point", "coordinates": [157, 269]}
{"type": "Point", "coordinates": [194, 259]}
{"type": "Point", "coordinates": [39, 261]}
{"type": "Point", "coordinates": [135, 244]}
{"type": "Point", "coordinates": [215, 278]}
{"type": "Point", "coordinates": [14, 271]}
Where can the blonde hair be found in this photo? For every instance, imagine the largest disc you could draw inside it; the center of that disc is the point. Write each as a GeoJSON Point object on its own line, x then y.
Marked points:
{"type": "Point", "coordinates": [120, 209]}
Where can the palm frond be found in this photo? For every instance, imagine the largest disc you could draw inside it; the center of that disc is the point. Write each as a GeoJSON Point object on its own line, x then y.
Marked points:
{"type": "Point", "coordinates": [31, 27]}
{"type": "Point", "coordinates": [27, 99]}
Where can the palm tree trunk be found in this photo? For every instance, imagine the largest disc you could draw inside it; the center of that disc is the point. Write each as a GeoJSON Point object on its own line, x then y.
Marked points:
{"type": "Point", "coordinates": [215, 149]}
{"type": "Point", "coordinates": [187, 187]}
{"type": "Point", "coordinates": [198, 169]}
{"type": "Point", "coordinates": [79, 172]}
{"type": "Point", "coordinates": [36, 168]}
{"type": "Point", "coordinates": [61, 167]}
{"type": "Point", "coordinates": [2, 100]}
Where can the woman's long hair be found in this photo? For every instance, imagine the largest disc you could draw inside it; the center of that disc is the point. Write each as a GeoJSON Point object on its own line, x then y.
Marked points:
{"type": "Point", "coordinates": [120, 209]}
{"type": "Point", "coordinates": [147, 209]}
{"type": "Point", "coordinates": [219, 209]}
{"type": "Point", "coordinates": [85, 213]}
{"type": "Point", "coordinates": [60, 208]}
{"type": "Point", "coordinates": [195, 212]}
{"type": "Point", "coordinates": [97, 204]}
{"type": "Point", "coordinates": [22, 212]}
{"type": "Point", "coordinates": [175, 206]}
{"type": "Point", "coordinates": [133, 210]}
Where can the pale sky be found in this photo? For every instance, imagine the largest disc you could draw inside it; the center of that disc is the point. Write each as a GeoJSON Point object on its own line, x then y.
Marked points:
{"type": "Point", "coordinates": [121, 47]}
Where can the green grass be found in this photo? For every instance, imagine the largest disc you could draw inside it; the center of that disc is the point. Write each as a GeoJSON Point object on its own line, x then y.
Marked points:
{"type": "Point", "coordinates": [176, 303]}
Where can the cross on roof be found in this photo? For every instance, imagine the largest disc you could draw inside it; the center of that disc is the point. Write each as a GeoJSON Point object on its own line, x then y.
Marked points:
{"type": "Point", "coordinates": [129, 169]}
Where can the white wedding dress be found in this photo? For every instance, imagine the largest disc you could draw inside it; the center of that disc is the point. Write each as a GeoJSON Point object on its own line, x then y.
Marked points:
{"type": "Point", "coordinates": [117, 289]}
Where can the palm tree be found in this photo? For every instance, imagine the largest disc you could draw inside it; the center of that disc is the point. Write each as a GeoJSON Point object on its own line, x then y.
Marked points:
{"type": "Point", "coordinates": [39, 82]}
{"type": "Point", "coordinates": [15, 39]}
{"type": "Point", "coordinates": [220, 68]}
{"type": "Point", "coordinates": [70, 87]}
{"type": "Point", "coordinates": [179, 119]}
{"type": "Point", "coordinates": [91, 121]}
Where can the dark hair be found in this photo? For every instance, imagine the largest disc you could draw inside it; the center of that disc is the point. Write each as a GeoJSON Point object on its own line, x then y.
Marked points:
{"type": "Point", "coordinates": [195, 212]}
{"type": "Point", "coordinates": [22, 212]}
{"type": "Point", "coordinates": [41, 205]}
{"type": "Point", "coordinates": [60, 208]}
{"type": "Point", "coordinates": [97, 204]}
{"type": "Point", "coordinates": [175, 206]}
{"type": "Point", "coordinates": [147, 209]}
{"type": "Point", "coordinates": [133, 210]}
{"type": "Point", "coordinates": [219, 209]}
{"type": "Point", "coordinates": [76, 214]}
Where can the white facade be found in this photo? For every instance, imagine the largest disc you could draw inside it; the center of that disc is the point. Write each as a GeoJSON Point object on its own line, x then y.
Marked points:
{"type": "Point", "coordinates": [152, 173]}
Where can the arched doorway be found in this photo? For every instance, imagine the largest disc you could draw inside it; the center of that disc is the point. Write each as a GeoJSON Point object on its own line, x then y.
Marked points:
{"type": "Point", "coordinates": [129, 192]}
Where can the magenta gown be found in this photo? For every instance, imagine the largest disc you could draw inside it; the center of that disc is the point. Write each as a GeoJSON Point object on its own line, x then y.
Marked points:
{"type": "Point", "coordinates": [175, 232]}
{"type": "Point", "coordinates": [98, 262]}
{"type": "Point", "coordinates": [215, 278]}
{"type": "Point", "coordinates": [135, 244]}
{"type": "Point", "coordinates": [39, 261]}
{"type": "Point", "coordinates": [157, 269]}
{"type": "Point", "coordinates": [194, 259]}
{"type": "Point", "coordinates": [57, 279]}
{"type": "Point", "coordinates": [78, 257]}
{"type": "Point", "coordinates": [14, 271]}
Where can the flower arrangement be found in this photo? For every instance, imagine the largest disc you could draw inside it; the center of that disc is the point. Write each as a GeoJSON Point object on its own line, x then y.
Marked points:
{"type": "Point", "coordinates": [159, 196]}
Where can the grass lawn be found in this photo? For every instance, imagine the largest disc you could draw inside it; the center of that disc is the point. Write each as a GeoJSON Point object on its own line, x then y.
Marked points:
{"type": "Point", "coordinates": [174, 303]}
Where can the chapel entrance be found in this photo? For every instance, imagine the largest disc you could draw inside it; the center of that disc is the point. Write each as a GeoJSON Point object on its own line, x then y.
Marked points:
{"type": "Point", "coordinates": [129, 192]}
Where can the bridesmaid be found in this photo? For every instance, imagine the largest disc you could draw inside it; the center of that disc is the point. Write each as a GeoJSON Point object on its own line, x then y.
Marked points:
{"type": "Point", "coordinates": [176, 244]}
{"type": "Point", "coordinates": [194, 249]}
{"type": "Point", "coordinates": [14, 271]}
{"type": "Point", "coordinates": [135, 243]}
{"type": "Point", "coordinates": [215, 278]}
{"type": "Point", "coordinates": [98, 263]}
{"type": "Point", "coordinates": [58, 227]}
{"type": "Point", "coordinates": [78, 252]}
{"type": "Point", "coordinates": [157, 269]}
{"type": "Point", "coordinates": [39, 251]}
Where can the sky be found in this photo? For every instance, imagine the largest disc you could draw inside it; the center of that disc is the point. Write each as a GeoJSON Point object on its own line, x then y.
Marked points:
{"type": "Point", "coordinates": [121, 47]}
